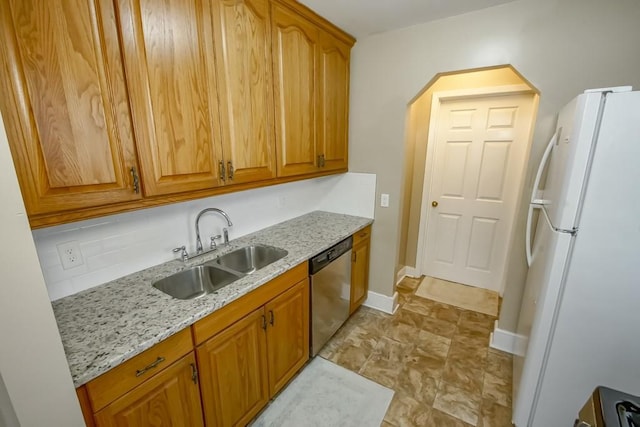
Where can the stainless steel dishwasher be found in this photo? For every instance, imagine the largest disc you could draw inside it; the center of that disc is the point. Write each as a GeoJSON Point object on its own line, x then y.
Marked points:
{"type": "Point", "coordinates": [330, 273]}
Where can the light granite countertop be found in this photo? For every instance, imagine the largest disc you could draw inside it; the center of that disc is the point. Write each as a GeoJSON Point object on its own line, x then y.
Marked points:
{"type": "Point", "coordinates": [109, 324]}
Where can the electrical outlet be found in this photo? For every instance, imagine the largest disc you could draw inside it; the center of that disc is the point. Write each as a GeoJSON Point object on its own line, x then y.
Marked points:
{"type": "Point", "coordinates": [70, 255]}
{"type": "Point", "coordinates": [384, 200]}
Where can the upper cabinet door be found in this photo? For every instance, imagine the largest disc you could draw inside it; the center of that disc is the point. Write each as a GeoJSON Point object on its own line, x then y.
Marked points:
{"type": "Point", "coordinates": [168, 50]}
{"type": "Point", "coordinates": [295, 44]}
{"type": "Point", "coordinates": [333, 126]}
{"type": "Point", "coordinates": [64, 104]}
{"type": "Point", "coordinates": [242, 32]}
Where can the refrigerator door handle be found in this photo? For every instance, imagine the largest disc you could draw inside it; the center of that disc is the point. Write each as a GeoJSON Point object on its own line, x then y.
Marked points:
{"type": "Point", "coordinates": [528, 247]}
{"type": "Point", "coordinates": [537, 203]}
{"type": "Point", "coordinates": [545, 158]}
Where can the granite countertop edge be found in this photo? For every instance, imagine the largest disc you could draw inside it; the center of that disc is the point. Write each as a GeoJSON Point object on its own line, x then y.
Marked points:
{"type": "Point", "coordinates": [107, 325]}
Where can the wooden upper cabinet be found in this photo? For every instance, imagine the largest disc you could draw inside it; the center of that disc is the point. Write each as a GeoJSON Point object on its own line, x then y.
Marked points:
{"type": "Point", "coordinates": [295, 44]}
{"type": "Point", "coordinates": [168, 51]}
{"type": "Point", "coordinates": [311, 74]}
{"type": "Point", "coordinates": [242, 33]}
{"type": "Point", "coordinates": [333, 126]}
{"type": "Point", "coordinates": [65, 105]}
{"type": "Point", "coordinates": [109, 101]}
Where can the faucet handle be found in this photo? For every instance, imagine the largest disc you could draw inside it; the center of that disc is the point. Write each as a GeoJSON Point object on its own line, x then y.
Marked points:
{"type": "Point", "coordinates": [183, 252]}
{"type": "Point", "coordinates": [213, 242]}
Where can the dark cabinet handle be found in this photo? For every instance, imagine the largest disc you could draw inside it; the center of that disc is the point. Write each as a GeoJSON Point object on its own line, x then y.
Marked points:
{"type": "Point", "coordinates": [272, 317]}
{"type": "Point", "coordinates": [264, 322]}
{"type": "Point", "coordinates": [230, 169]}
{"type": "Point", "coordinates": [221, 170]}
{"type": "Point", "coordinates": [194, 373]}
{"type": "Point", "coordinates": [142, 371]}
{"type": "Point", "coordinates": [136, 180]}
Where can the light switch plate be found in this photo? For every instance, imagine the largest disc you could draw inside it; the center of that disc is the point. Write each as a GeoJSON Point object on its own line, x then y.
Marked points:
{"type": "Point", "coordinates": [384, 200]}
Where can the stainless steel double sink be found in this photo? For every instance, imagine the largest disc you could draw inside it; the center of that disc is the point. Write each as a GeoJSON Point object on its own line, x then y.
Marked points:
{"type": "Point", "coordinates": [200, 280]}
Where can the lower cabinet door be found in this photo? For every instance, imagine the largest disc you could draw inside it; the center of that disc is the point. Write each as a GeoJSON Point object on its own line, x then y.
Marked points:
{"type": "Point", "coordinates": [233, 372]}
{"type": "Point", "coordinates": [170, 398]}
{"type": "Point", "coordinates": [359, 274]}
{"type": "Point", "coordinates": [287, 334]}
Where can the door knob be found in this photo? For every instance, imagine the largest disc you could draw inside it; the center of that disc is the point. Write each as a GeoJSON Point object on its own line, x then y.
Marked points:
{"type": "Point", "coordinates": [434, 204]}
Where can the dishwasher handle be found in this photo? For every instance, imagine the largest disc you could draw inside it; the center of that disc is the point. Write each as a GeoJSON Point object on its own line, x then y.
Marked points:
{"type": "Point", "coordinates": [325, 258]}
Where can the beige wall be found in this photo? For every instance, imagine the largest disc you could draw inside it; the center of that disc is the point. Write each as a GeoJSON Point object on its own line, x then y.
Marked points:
{"type": "Point", "coordinates": [8, 416]}
{"type": "Point", "coordinates": [33, 366]}
{"type": "Point", "coordinates": [561, 46]}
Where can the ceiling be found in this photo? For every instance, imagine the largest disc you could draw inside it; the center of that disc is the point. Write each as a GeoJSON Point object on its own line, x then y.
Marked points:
{"type": "Point", "coordinates": [361, 18]}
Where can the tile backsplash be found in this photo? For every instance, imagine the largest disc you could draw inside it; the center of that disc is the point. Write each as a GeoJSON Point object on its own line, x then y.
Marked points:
{"type": "Point", "coordinates": [121, 244]}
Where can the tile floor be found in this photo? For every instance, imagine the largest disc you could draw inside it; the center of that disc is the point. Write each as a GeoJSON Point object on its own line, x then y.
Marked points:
{"type": "Point", "coordinates": [434, 356]}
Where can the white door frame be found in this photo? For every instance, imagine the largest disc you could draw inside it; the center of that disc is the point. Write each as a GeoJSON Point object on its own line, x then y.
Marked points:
{"type": "Point", "coordinates": [438, 98]}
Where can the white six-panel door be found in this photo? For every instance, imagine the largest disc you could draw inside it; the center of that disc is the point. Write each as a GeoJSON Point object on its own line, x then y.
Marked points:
{"type": "Point", "coordinates": [479, 155]}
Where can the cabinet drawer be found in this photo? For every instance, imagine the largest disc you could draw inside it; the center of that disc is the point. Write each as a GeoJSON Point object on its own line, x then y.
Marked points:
{"type": "Point", "coordinates": [169, 398]}
{"type": "Point", "coordinates": [361, 235]}
{"type": "Point", "coordinates": [111, 385]}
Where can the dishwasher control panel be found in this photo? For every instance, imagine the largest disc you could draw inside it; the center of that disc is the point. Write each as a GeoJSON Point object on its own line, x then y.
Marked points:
{"type": "Point", "coordinates": [321, 260]}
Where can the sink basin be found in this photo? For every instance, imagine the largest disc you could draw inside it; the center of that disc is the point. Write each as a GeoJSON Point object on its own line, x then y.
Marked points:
{"type": "Point", "coordinates": [204, 279]}
{"type": "Point", "coordinates": [250, 258]}
{"type": "Point", "coordinates": [195, 282]}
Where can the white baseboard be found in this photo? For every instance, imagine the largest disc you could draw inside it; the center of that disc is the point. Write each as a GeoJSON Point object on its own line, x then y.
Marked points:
{"type": "Point", "coordinates": [412, 271]}
{"type": "Point", "coordinates": [406, 271]}
{"type": "Point", "coordinates": [507, 341]}
{"type": "Point", "coordinates": [400, 275]}
{"type": "Point", "coordinates": [382, 302]}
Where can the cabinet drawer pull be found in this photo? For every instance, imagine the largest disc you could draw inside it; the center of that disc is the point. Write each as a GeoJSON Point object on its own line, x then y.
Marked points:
{"type": "Point", "coordinates": [158, 361]}
{"type": "Point", "coordinates": [264, 322]}
{"type": "Point", "coordinates": [272, 318]}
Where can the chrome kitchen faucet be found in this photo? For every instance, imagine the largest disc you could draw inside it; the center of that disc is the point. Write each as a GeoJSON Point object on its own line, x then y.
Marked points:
{"type": "Point", "coordinates": [225, 231]}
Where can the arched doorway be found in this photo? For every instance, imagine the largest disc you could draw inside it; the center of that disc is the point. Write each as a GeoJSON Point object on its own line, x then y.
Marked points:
{"type": "Point", "coordinates": [471, 245]}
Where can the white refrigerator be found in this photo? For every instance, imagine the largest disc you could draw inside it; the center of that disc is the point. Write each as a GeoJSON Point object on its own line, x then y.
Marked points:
{"type": "Point", "coordinates": [580, 311]}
